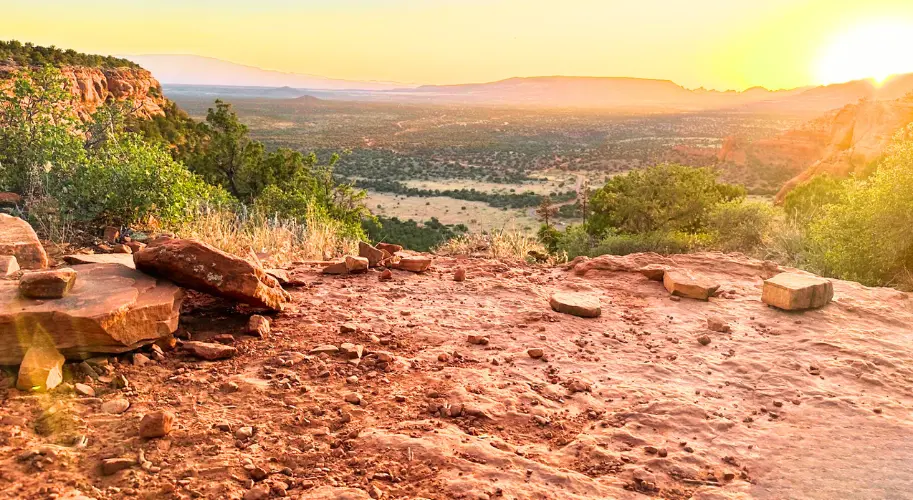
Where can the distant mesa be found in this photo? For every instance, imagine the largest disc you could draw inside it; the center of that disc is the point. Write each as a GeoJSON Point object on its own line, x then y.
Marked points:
{"type": "Point", "coordinates": [198, 70]}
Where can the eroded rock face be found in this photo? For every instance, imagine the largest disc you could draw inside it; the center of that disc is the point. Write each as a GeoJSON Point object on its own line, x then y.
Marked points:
{"type": "Point", "coordinates": [110, 309]}
{"type": "Point", "coordinates": [796, 292]}
{"type": "Point", "coordinates": [53, 284]}
{"type": "Point", "coordinates": [17, 238]}
{"type": "Point", "coordinates": [196, 265]}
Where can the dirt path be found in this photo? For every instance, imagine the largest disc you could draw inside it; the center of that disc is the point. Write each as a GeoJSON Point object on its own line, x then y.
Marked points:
{"type": "Point", "coordinates": [628, 405]}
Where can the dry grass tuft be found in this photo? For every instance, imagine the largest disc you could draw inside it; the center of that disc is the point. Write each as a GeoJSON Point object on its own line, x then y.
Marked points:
{"type": "Point", "coordinates": [284, 241]}
{"type": "Point", "coordinates": [502, 244]}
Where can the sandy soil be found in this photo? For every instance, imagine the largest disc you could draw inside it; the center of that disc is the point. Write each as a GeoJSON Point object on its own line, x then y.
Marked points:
{"type": "Point", "coordinates": [628, 405]}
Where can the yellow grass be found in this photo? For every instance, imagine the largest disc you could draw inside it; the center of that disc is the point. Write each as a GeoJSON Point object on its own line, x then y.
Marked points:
{"type": "Point", "coordinates": [283, 241]}
{"type": "Point", "coordinates": [503, 244]}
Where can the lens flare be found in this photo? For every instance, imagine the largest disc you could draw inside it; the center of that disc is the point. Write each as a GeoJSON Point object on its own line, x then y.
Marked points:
{"type": "Point", "coordinates": [875, 50]}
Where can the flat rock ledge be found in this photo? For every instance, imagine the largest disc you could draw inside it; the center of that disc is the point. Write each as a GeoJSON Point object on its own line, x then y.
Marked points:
{"type": "Point", "coordinates": [110, 309]}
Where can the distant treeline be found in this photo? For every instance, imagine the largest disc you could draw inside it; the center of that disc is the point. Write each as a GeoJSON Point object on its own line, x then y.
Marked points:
{"type": "Point", "coordinates": [410, 234]}
{"type": "Point", "coordinates": [498, 200]}
{"type": "Point", "coordinates": [26, 54]}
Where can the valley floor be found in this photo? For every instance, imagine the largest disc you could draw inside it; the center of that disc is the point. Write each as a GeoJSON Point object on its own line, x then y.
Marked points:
{"type": "Point", "coordinates": [628, 405]}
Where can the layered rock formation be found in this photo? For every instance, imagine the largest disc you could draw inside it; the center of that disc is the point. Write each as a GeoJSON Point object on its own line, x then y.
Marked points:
{"type": "Point", "coordinates": [93, 87]}
{"type": "Point", "coordinates": [111, 308]}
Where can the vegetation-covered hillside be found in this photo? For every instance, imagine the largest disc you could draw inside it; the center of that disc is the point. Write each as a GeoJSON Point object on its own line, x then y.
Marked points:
{"type": "Point", "coordinates": [27, 54]}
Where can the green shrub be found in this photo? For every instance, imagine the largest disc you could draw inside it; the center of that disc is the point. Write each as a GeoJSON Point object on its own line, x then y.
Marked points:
{"type": "Point", "coordinates": [867, 236]}
{"type": "Point", "coordinates": [807, 200]}
{"type": "Point", "coordinates": [660, 198]}
{"type": "Point", "coordinates": [739, 226]}
{"type": "Point", "coordinates": [575, 241]}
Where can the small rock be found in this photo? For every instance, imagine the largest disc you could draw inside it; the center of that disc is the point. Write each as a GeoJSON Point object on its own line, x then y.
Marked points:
{"type": "Point", "coordinates": [84, 390]}
{"type": "Point", "coordinates": [8, 266]}
{"type": "Point", "coordinates": [717, 324]}
{"type": "Point", "coordinates": [681, 284]}
{"type": "Point", "coordinates": [53, 284]}
{"type": "Point", "coordinates": [353, 398]}
{"type": "Point", "coordinates": [348, 328]}
{"type": "Point", "coordinates": [575, 304]}
{"type": "Point", "coordinates": [324, 349]}
{"type": "Point", "coordinates": [478, 339]}
{"type": "Point", "coordinates": [373, 255]}
{"type": "Point", "coordinates": [121, 248]}
{"type": "Point", "coordinates": [112, 466]}
{"type": "Point", "coordinates": [224, 338]}
{"type": "Point", "coordinates": [386, 275]}
{"type": "Point", "coordinates": [443, 357]}
{"type": "Point", "coordinates": [155, 425]}
{"type": "Point", "coordinates": [209, 351]}
{"type": "Point", "coordinates": [383, 356]}
{"type": "Point", "coordinates": [352, 380]}
{"type": "Point", "coordinates": [140, 359]}
{"type": "Point", "coordinates": [245, 432]}
{"type": "Point", "coordinates": [351, 351]}
{"type": "Point", "coordinates": [535, 352]}
{"type": "Point", "coordinates": [704, 340]}
{"type": "Point", "coordinates": [459, 275]}
{"type": "Point", "coordinates": [41, 369]}
{"type": "Point", "coordinates": [115, 406]}
{"type": "Point", "coordinates": [415, 264]}
{"type": "Point", "coordinates": [259, 492]}
{"type": "Point", "coordinates": [258, 326]}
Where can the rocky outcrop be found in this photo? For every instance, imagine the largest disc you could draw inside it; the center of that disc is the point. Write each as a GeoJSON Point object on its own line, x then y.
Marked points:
{"type": "Point", "coordinates": [196, 265]}
{"type": "Point", "coordinates": [111, 308]}
{"type": "Point", "coordinates": [93, 87]}
{"type": "Point", "coordinates": [859, 135]}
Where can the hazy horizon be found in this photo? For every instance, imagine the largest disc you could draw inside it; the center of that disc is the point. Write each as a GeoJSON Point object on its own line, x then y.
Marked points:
{"type": "Point", "coordinates": [707, 43]}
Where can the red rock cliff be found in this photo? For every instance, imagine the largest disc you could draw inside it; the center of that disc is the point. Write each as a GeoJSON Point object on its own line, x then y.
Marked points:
{"type": "Point", "coordinates": [92, 87]}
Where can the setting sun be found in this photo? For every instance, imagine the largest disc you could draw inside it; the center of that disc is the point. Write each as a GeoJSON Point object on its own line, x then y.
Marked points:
{"type": "Point", "coordinates": [875, 50]}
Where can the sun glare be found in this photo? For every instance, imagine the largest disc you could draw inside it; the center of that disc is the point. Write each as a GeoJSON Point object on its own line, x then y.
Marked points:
{"type": "Point", "coordinates": [876, 50]}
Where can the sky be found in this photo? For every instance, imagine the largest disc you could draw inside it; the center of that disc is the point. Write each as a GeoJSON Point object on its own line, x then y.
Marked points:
{"type": "Point", "coordinates": [720, 44]}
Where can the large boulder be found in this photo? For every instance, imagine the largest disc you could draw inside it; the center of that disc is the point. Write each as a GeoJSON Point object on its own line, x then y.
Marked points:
{"type": "Point", "coordinates": [17, 238]}
{"type": "Point", "coordinates": [196, 265]}
{"type": "Point", "coordinates": [796, 292]}
{"type": "Point", "coordinates": [110, 309]}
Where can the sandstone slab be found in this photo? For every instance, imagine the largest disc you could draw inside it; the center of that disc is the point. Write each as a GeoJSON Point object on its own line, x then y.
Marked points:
{"type": "Point", "coordinates": [196, 265]}
{"type": "Point", "coordinates": [41, 369]}
{"type": "Point", "coordinates": [54, 284]}
{"type": "Point", "coordinates": [100, 258]}
{"type": "Point", "coordinates": [681, 284]}
{"type": "Point", "coordinates": [796, 292]}
{"type": "Point", "coordinates": [110, 309]}
{"type": "Point", "coordinates": [575, 304]}
{"type": "Point", "coordinates": [654, 272]}
{"type": "Point", "coordinates": [389, 248]}
{"type": "Point", "coordinates": [17, 238]}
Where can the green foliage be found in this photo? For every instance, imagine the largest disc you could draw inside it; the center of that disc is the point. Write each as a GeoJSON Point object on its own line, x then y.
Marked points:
{"type": "Point", "coordinates": [740, 226]}
{"type": "Point", "coordinates": [26, 54]}
{"type": "Point", "coordinates": [661, 198]}
{"type": "Point", "coordinates": [549, 236]}
{"type": "Point", "coordinates": [36, 125]}
{"type": "Point", "coordinates": [175, 129]}
{"type": "Point", "coordinates": [576, 241]}
{"type": "Point", "coordinates": [807, 200]}
{"type": "Point", "coordinates": [410, 234]}
{"type": "Point", "coordinates": [866, 235]}
{"type": "Point", "coordinates": [90, 173]}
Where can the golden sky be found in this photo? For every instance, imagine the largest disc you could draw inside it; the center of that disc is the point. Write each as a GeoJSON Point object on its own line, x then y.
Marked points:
{"type": "Point", "coordinates": [723, 44]}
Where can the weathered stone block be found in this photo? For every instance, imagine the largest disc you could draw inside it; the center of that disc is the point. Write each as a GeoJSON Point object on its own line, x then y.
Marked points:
{"type": "Point", "coordinates": [682, 284]}
{"type": "Point", "coordinates": [796, 292]}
